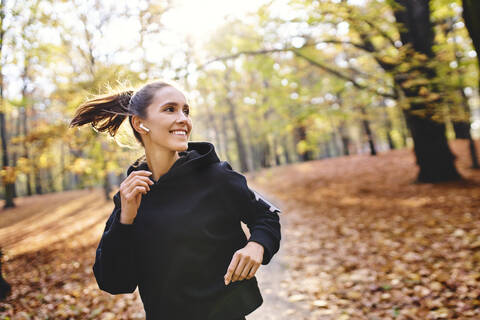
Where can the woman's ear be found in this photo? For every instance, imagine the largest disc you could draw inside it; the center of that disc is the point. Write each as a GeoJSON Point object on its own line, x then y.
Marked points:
{"type": "Point", "coordinates": [136, 124]}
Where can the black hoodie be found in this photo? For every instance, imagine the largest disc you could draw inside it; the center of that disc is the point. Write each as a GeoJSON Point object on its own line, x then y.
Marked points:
{"type": "Point", "coordinates": [183, 238]}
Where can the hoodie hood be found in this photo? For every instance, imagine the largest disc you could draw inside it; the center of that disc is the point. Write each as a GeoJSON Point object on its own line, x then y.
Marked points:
{"type": "Point", "coordinates": [199, 154]}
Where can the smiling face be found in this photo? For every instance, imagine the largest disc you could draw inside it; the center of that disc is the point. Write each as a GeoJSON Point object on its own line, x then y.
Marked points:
{"type": "Point", "coordinates": [168, 118]}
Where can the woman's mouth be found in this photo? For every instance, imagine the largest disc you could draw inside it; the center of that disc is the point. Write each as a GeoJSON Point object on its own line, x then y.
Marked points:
{"type": "Point", "coordinates": [179, 133]}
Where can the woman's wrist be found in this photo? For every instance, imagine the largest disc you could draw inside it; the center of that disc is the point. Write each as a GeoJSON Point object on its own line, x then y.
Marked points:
{"type": "Point", "coordinates": [257, 245]}
{"type": "Point", "coordinates": [124, 220]}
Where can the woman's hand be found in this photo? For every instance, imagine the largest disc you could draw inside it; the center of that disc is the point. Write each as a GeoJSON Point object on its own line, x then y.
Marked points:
{"type": "Point", "coordinates": [245, 262]}
{"type": "Point", "coordinates": [131, 190]}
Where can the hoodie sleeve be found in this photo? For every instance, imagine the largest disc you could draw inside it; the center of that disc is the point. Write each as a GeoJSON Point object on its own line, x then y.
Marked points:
{"type": "Point", "coordinates": [114, 266]}
{"type": "Point", "coordinates": [260, 216]}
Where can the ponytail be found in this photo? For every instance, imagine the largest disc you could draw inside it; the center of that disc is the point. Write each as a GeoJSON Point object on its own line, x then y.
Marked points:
{"type": "Point", "coordinates": [105, 113]}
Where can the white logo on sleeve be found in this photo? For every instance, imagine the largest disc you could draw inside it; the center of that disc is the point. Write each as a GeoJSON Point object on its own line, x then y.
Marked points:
{"type": "Point", "coordinates": [267, 203]}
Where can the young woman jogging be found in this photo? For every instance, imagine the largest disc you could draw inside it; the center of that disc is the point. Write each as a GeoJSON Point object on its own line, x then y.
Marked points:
{"type": "Point", "coordinates": [175, 229]}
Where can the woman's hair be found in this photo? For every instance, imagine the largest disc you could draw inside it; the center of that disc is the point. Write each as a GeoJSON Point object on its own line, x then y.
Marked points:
{"type": "Point", "coordinates": [107, 112]}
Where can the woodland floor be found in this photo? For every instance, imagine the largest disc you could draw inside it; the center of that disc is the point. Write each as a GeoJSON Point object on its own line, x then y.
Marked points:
{"type": "Point", "coordinates": [359, 241]}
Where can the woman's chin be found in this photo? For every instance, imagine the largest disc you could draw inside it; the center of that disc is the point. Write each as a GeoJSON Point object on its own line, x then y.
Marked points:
{"type": "Point", "coordinates": [180, 145]}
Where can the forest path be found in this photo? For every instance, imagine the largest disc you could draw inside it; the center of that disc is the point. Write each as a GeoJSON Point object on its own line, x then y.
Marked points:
{"type": "Point", "coordinates": [272, 277]}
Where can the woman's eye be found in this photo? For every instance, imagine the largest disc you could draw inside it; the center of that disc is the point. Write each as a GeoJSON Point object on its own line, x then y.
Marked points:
{"type": "Point", "coordinates": [187, 111]}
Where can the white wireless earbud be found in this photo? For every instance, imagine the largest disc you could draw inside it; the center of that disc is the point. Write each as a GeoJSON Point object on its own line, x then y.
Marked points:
{"type": "Point", "coordinates": [144, 128]}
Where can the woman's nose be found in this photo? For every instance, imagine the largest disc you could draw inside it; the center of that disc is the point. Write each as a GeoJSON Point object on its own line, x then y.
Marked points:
{"type": "Point", "coordinates": [182, 117]}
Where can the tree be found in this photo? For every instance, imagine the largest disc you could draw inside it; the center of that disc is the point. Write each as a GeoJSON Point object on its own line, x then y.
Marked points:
{"type": "Point", "coordinates": [7, 171]}
{"type": "Point", "coordinates": [471, 12]}
{"type": "Point", "coordinates": [455, 74]}
{"type": "Point", "coordinates": [434, 157]}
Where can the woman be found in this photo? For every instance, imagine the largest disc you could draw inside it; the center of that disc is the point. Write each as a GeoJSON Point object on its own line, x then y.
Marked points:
{"type": "Point", "coordinates": [175, 229]}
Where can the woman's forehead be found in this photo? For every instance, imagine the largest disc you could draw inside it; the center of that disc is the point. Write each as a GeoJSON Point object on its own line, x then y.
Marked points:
{"type": "Point", "coordinates": [169, 94]}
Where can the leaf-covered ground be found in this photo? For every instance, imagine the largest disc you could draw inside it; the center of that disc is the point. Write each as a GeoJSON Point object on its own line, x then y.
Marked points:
{"type": "Point", "coordinates": [359, 241]}
{"type": "Point", "coordinates": [363, 242]}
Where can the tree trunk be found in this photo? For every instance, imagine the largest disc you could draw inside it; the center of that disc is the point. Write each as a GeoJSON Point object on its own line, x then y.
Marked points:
{"type": "Point", "coordinates": [471, 12]}
{"type": "Point", "coordinates": [232, 114]}
{"type": "Point", "coordinates": [461, 128]}
{"type": "Point", "coordinates": [50, 179]}
{"type": "Point", "coordinates": [391, 145]}
{"type": "Point", "coordinates": [344, 138]}
{"type": "Point", "coordinates": [334, 141]}
{"type": "Point", "coordinates": [342, 128]}
{"type": "Point", "coordinates": [433, 154]}
{"type": "Point", "coordinates": [25, 149]}
{"type": "Point", "coordinates": [242, 155]}
{"type": "Point", "coordinates": [224, 134]}
{"type": "Point", "coordinates": [107, 186]}
{"type": "Point", "coordinates": [212, 124]}
{"type": "Point", "coordinates": [9, 187]}
{"type": "Point", "coordinates": [264, 154]}
{"type": "Point", "coordinates": [327, 153]}
{"type": "Point", "coordinates": [285, 151]}
{"type": "Point", "coordinates": [388, 127]}
{"type": "Point", "coordinates": [275, 154]}
{"type": "Point", "coordinates": [251, 150]}
{"type": "Point", "coordinates": [38, 181]}
{"type": "Point", "coordinates": [15, 154]}
{"type": "Point", "coordinates": [404, 131]}
{"type": "Point", "coordinates": [24, 117]}
{"type": "Point", "coordinates": [434, 157]}
{"type": "Point", "coordinates": [63, 171]}
{"type": "Point", "coordinates": [368, 131]}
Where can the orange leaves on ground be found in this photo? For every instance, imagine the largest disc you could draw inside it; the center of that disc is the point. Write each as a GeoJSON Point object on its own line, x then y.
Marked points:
{"type": "Point", "coordinates": [49, 243]}
{"type": "Point", "coordinates": [363, 242]}
{"type": "Point", "coordinates": [360, 241]}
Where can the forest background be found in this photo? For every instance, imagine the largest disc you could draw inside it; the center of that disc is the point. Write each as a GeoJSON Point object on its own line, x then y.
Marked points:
{"type": "Point", "coordinates": [273, 85]}
{"type": "Point", "coordinates": [292, 81]}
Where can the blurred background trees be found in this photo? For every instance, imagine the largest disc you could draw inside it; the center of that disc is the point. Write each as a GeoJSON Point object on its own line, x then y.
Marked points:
{"type": "Point", "coordinates": [274, 83]}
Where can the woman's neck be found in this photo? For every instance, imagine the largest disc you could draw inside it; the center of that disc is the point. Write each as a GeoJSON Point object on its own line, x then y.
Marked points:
{"type": "Point", "coordinates": [160, 161]}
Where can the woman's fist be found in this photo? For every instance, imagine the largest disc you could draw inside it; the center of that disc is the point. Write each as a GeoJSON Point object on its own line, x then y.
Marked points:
{"type": "Point", "coordinates": [131, 190]}
{"type": "Point", "coordinates": [245, 262]}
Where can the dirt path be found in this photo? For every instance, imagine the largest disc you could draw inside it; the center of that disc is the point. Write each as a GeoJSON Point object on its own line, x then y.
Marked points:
{"type": "Point", "coordinates": [271, 278]}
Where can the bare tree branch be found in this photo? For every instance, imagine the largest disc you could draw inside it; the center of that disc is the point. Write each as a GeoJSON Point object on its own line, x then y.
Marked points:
{"type": "Point", "coordinates": [343, 76]}
{"type": "Point", "coordinates": [308, 59]}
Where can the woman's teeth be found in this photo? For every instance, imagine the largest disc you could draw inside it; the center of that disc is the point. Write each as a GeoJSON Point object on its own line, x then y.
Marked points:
{"type": "Point", "coordinates": [179, 133]}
